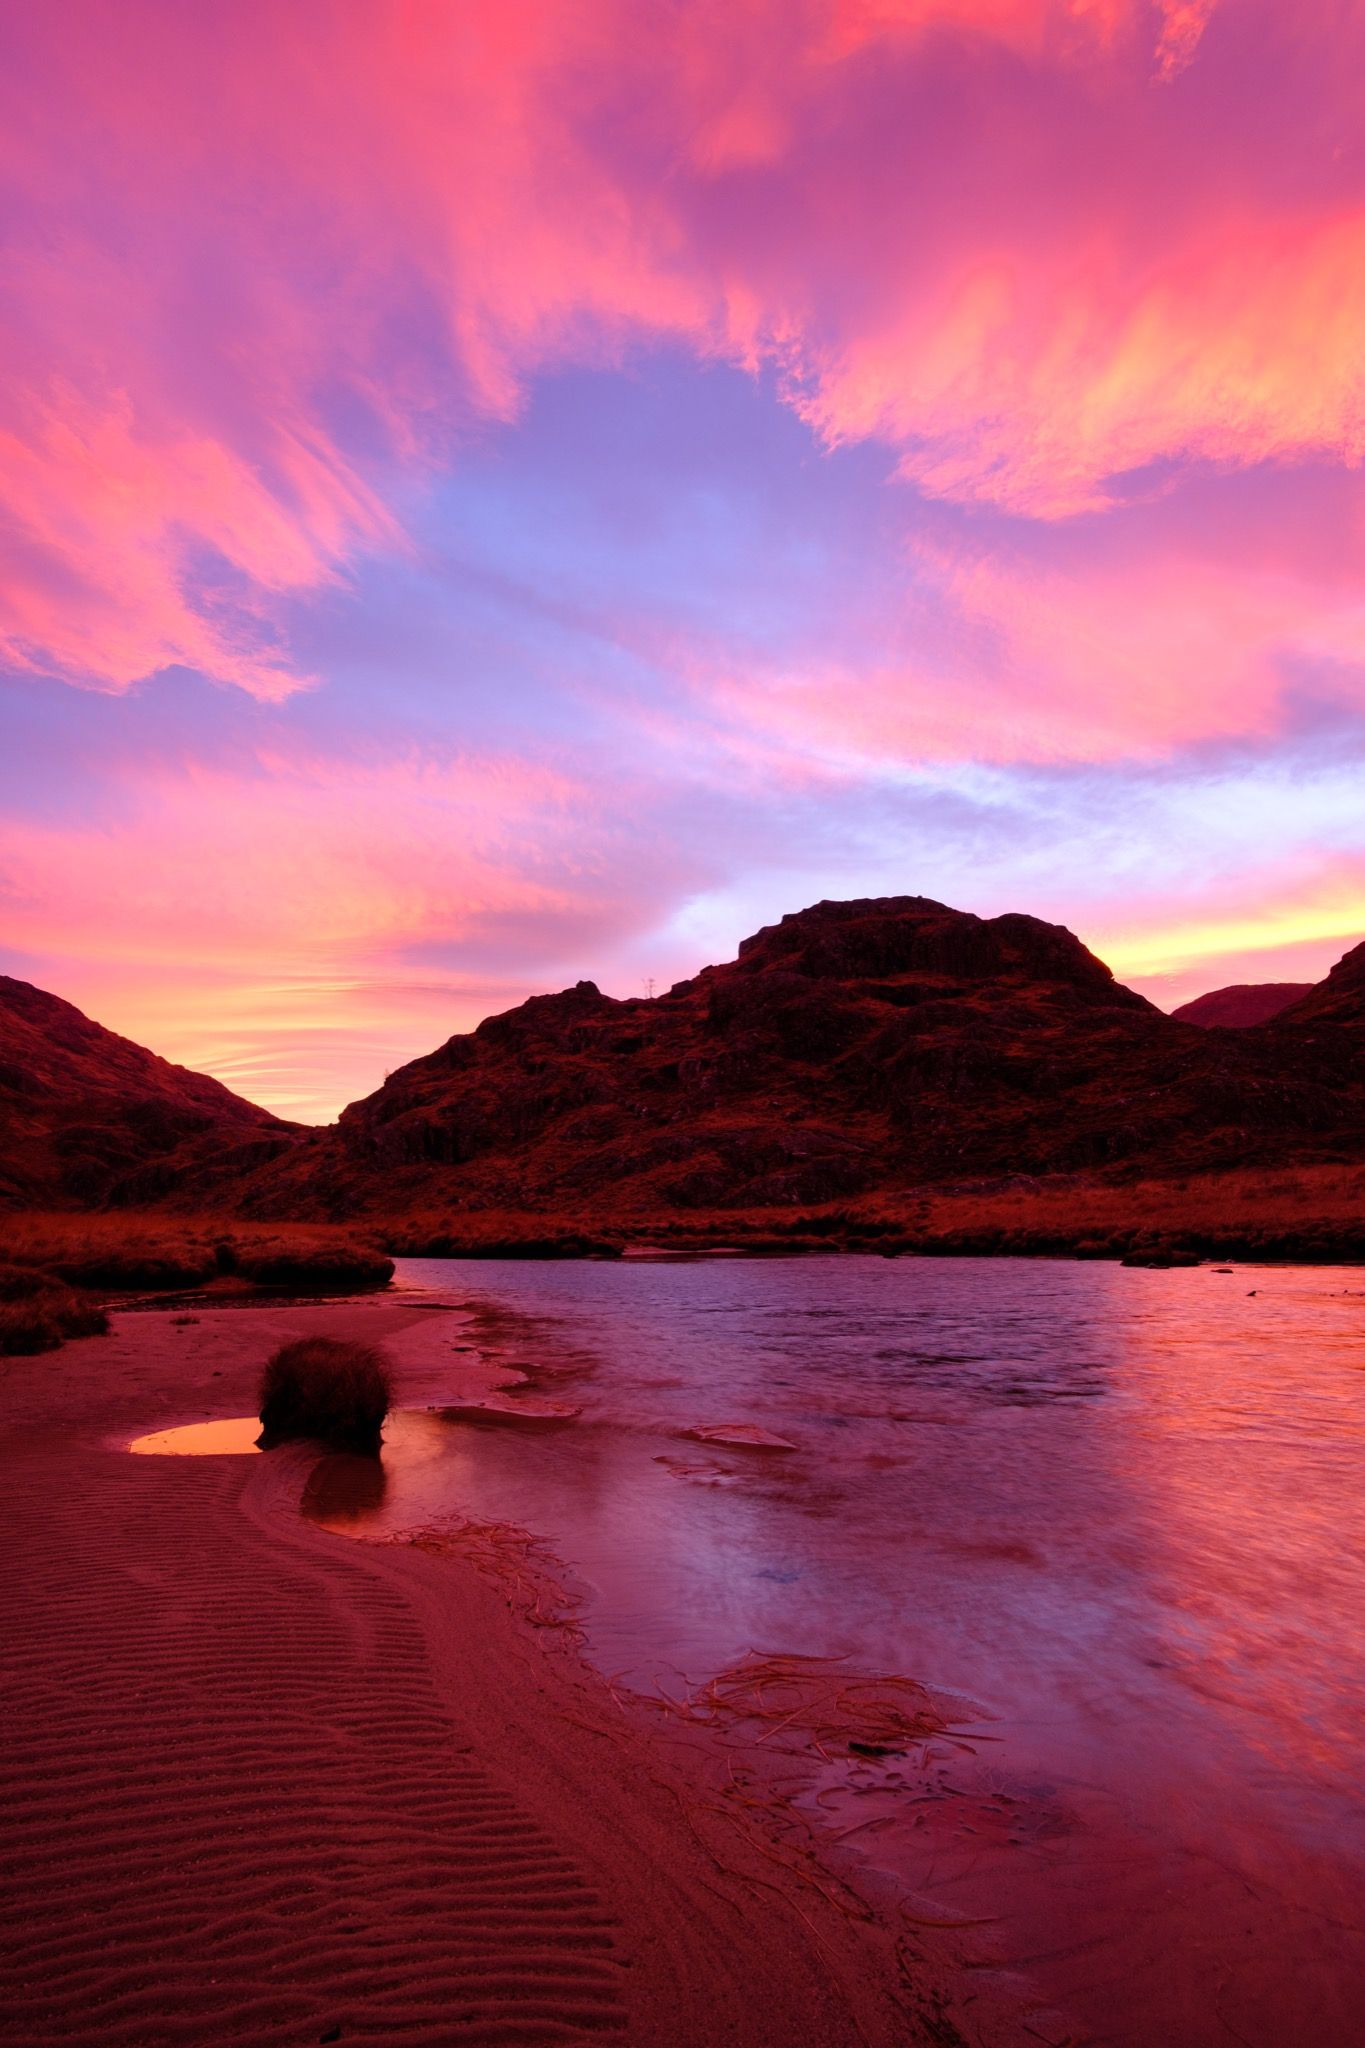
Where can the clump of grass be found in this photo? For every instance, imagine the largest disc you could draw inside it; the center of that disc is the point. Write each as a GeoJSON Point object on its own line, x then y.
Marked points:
{"type": "Point", "coordinates": [325, 1267]}
{"type": "Point", "coordinates": [326, 1388]}
{"type": "Point", "coordinates": [38, 1312]}
{"type": "Point", "coordinates": [137, 1271]}
{"type": "Point", "coordinates": [27, 1327]}
{"type": "Point", "coordinates": [22, 1283]}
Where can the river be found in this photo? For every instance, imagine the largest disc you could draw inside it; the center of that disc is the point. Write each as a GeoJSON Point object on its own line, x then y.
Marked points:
{"type": "Point", "coordinates": [1119, 1515]}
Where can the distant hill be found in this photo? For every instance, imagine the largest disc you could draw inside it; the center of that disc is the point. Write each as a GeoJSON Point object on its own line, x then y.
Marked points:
{"type": "Point", "coordinates": [87, 1117]}
{"type": "Point", "coordinates": [851, 1049]}
{"type": "Point", "coordinates": [1245, 1002]}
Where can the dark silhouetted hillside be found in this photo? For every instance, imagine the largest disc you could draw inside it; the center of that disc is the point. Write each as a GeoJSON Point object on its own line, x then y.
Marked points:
{"type": "Point", "coordinates": [87, 1117]}
{"type": "Point", "coordinates": [1340, 1000]}
{"type": "Point", "coordinates": [851, 1049]}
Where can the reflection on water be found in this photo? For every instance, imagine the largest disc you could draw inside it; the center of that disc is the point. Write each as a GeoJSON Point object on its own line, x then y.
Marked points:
{"type": "Point", "coordinates": [202, 1439]}
{"type": "Point", "coordinates": [1120, 1509]}
{"type": "Point", "coordinates": [344, 1487]}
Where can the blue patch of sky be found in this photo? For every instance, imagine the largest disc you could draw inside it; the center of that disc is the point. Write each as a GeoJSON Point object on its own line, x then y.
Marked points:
{"type": "Point", "coordinates": [566, 560]}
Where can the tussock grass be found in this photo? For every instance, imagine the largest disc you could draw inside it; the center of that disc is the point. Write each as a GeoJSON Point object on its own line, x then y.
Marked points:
{"type": "Point", "coordinates": [38, 1312]}
{"type": "Point", "coordinates": [146, 1252]}
{"type": "Point", "coordinates": [1313, 1213]}
{"type": "Point", "coordinates": [326, 1268]}
{"type": "Point", "coordinates": [325, 1388]}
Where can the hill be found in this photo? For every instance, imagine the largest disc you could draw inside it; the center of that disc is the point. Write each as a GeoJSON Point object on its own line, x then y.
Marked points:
{"type": "Point", "coordinates": [862, 1055]}
{"type": "Point", "coordinates": [1338, 1001]}
{"type": "Point", "coordinates": [850, 1050]}
{"type": "Point", "coordinates": [1244, 1003]}
{"type": "Point", "coordinates": [87, 1117]}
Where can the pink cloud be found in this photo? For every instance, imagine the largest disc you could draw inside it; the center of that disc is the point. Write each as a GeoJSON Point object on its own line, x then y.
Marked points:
{"type": "Point", "coordinates": [316, 862]}
{"type": "Point", "coordinates": [297, 924]}
{"type": "Point", "coordinates": [1031, 377]}
{"type": "Point", "coordinates": [258, 229]}
{"type": "Point", "coordinates": [1183, 24]}
{"type": "Point", "coordinates": [1143, 649]}
{"type": "Point", "coordinates": [1135, 644]}
{"type": "Point", "coordinates": [102, 508]}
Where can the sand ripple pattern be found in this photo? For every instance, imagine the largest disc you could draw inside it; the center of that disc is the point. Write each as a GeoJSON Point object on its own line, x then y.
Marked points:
{"type": "Point", "coordinates": [234, 1809]}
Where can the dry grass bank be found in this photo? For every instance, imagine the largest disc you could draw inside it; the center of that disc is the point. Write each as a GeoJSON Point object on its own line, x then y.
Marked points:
{"type": "Point", "coordinates": [1311, 1213]}
{"type": "Point", "coordinates": [1308, 1213]}
{"type": "Point", "coordinates": [147, 1251]}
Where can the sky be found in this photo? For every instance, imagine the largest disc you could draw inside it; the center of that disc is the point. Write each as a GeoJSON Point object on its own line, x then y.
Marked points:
{"type": "Point", "coordinates": [504, 492]}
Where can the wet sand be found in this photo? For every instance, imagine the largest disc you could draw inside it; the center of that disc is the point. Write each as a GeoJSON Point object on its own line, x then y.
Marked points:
{"type": "Point", "coordinates": [261, 1784]}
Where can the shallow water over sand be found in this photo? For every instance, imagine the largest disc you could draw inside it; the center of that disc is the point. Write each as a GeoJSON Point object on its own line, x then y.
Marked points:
{"type": "Point", "coordinates": [233, 1437]}
{"type": "Point", "coordinates": [1121, 1511]}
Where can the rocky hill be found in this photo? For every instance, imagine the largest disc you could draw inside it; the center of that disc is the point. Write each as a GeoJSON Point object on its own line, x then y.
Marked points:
{"type": "Point", "coordinates": [87, 1117]}
{"type": "Point", "coordinates": [850, 1049]}
{"type": "Point", "coordinates": [1243, 1004]}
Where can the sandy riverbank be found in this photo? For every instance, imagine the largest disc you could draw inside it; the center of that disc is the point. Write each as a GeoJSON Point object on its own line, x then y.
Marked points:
{"type": "Point", "coordinates": [262, 1784]}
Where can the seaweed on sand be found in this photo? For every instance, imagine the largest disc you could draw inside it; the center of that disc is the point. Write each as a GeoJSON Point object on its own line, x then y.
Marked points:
{"type": "Point", "coordinates": [821, 1705]}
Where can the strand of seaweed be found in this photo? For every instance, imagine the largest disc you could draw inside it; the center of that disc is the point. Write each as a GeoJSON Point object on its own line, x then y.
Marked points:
{"type": "Point", "coordinates": [523, 1566]}
{"type": "Point", "coordinates": [810, 1708]}
{"type": "Point", "coordinates": [822, 1707]}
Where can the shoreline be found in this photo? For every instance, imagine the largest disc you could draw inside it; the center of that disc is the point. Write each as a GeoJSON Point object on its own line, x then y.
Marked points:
{"type": "Point", "coordinates": [265, 1781]}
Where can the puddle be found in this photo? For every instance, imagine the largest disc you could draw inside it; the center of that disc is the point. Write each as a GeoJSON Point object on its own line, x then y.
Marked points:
{"type": "Point", "coordinates": [232, 1438]}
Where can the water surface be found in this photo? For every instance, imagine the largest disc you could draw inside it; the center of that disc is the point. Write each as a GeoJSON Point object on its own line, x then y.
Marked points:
{"type": "Point", "coordinates": [1120, 1511]}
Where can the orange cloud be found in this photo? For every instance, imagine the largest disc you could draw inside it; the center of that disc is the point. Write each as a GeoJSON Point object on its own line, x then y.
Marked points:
{"type": "Point", "coordinates": [296, 925]}
{"type": "Point", "coordinates": [1269, 926]}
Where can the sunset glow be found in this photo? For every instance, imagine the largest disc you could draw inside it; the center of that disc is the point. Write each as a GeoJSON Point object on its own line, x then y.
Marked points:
{"type": "Point", "coordinates": [507, 494]}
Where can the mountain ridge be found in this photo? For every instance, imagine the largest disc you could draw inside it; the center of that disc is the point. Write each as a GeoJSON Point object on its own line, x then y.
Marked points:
{"type": "Point", "coordinates": [850, 1050]}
